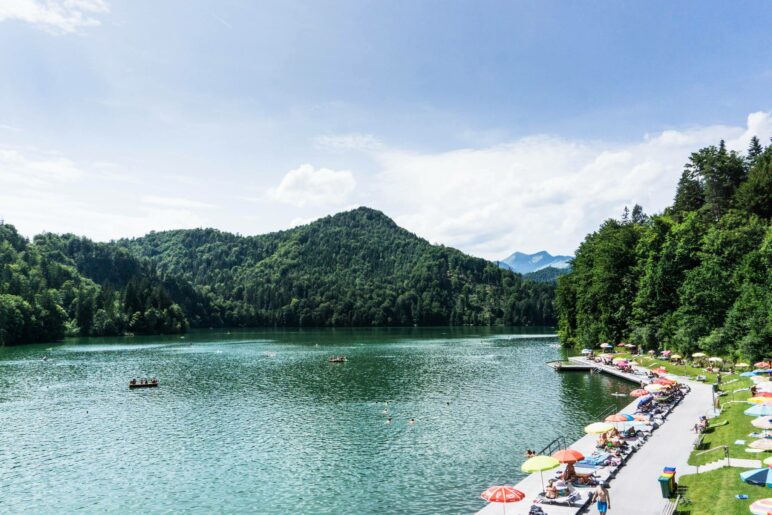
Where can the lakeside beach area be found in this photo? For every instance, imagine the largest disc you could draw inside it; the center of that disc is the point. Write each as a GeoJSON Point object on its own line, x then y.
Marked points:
{"type": "Point", "coordinates": [633, 481]}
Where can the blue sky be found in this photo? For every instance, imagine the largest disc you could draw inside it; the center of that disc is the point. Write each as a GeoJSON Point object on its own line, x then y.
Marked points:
{"type": "Point", "coordinates": [489, 126]}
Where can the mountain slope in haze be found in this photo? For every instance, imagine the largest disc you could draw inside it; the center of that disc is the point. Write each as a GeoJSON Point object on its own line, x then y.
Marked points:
{"type": "Point", "coordinates": [526, 263]}
{"type": "Point", "coordinates": [547, 275]}
{"type": "Point", "coordinates": [356, 268]}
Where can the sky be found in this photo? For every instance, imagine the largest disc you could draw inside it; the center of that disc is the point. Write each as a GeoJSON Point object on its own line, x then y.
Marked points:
{"type": "Point", "coordinates": [492, 127]}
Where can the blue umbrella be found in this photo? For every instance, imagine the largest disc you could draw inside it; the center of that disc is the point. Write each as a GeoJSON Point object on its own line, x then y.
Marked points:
{"type": "Point", "coordinates": [647, 399]}
{"type": "Point", "coordinates": [748, 374]}
{"type": "Point", "coordinates": [586, 351]}
{"type": "Point", "coordinates": [760, 410]}
{"type": "Point", "coordinates": [758, 476]}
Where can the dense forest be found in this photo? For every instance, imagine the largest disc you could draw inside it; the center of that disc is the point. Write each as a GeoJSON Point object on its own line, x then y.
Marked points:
{"type": "Point", "coordinates": [353, 269]}
{"type": "Point", "coordinates": [356, 268]}
{"type": "Point", "coordinates": [696, 277]}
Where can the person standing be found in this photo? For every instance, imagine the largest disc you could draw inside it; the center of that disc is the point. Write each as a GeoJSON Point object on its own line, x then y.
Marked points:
{"type": "Point", "coordinates": [601, 498]}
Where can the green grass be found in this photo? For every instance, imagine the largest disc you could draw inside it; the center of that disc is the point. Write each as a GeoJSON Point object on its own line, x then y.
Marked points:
{"type": "Point", "coordinates": [714, 492]}
{"type": "Point", "coordinates": [738, 427]}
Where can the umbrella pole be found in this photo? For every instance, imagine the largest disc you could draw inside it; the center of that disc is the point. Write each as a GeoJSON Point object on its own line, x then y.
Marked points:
{"type": "Point", "coordinates": [542, 480]}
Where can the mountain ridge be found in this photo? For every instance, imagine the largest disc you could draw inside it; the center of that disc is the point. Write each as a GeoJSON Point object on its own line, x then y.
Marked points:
{"type": "Point", "coordinates": [523, 263]}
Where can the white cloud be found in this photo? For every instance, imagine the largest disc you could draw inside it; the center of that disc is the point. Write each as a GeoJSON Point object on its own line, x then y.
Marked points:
{"type": "Point", "coordinates": [37, 171]}
{"type": "Point", "coordinates": [56, 16]}
{"type": "Point", "coordinates": [175, 202]}
{"type": "Point", "coordinates": [352, 141]}
{"type": "Point", "coordinates": [307, 186]}
{"type": "Point", "coordinates": [539, 192]}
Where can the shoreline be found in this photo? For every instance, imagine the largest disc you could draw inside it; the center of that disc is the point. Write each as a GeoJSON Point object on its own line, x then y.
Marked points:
{"type": "Point", "coordinates": [629, 494]}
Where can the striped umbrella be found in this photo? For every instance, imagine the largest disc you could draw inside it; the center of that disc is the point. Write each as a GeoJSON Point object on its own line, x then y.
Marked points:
{"type": "Point", "coordinates": [759, 410]}
{"type": "Point", "coordinates": [762, 506]}
{"type": "Point", "coordinates": [760, 400]}
{"type": "Point", "coordinates": [503, 494]}
{"type": "Point", "coordinates": [758, 476]}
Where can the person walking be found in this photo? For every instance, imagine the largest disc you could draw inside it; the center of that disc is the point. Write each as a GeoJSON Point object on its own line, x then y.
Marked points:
{"type": "Point", "coordinates": [601, 498]}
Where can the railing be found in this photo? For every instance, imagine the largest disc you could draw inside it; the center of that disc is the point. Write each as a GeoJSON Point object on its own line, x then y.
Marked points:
{"type": "Point", "coordinates": [725, 448]}
{"type": "Point", "coordinates": [555, 445]}
{"type": "Point", "coordinates": [609, 411]}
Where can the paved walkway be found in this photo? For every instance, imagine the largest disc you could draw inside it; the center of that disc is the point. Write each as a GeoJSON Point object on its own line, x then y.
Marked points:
{"type": "Point", "coordinates": [635, 489]}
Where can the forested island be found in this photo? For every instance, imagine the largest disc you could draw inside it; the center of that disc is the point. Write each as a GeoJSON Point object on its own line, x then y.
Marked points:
{"type": "Point", "coordinates": [356, 268]}
{"type": "Point", "coordinates": [696, 277]}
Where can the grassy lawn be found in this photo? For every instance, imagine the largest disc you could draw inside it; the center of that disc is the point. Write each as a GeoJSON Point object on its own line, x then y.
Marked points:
{"type": "Point", "coordinates": [714, 492]}
{"type": "Point", "coordinates": [738, 428]}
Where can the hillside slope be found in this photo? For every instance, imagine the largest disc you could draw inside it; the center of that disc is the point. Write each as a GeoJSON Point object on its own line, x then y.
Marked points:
{"type": "Point", "coordinates": [354, 268]}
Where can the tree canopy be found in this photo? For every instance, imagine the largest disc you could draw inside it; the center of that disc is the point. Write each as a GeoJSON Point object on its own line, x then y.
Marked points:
{"type": "Point", "coordinates": [696, 277]}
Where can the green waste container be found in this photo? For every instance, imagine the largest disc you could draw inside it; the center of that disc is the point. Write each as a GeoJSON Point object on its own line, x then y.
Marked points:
{"type": "Point", "coordinates": [666, 485]}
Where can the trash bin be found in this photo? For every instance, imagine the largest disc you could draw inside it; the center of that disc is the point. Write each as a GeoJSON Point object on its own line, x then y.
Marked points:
{"type": "Point", "coordinates": [664, 485]}
{"type": "Point", "coordinates": [667, 482]}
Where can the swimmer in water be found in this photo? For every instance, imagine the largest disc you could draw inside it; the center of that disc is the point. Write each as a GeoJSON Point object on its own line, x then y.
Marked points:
{"type": "Point", "coordinates": [385, 412]}
{"type": "Point", "coordinates": [411, 421]}
{"type": "Point", "coordinates": [388, 420]}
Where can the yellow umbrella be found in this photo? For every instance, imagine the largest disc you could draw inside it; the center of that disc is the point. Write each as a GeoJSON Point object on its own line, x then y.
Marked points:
{"type": "Point", "coordinates": [768, 461]}
{"type": "Point", "coordinates": [598, 428]}
{"type": "Point", "coordinates": [765, 444]}
{"type": "Point", "coordinates": [760, 400]}
{"type": "Point", "coordinates": [676, 356]}
{"type": "Point", "coordinates": [699, 355]}
{"type": "Point", "coordinates": [540, 464]}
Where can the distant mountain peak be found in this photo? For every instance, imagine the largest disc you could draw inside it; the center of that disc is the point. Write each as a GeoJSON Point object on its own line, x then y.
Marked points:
{"type": "Point", "coordinates": [527, 263]}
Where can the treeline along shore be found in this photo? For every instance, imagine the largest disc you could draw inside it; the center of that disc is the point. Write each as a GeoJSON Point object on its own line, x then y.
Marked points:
{"type": "Point", "coordinates": [697, 277]}
{"type": "Point", "coordinates": [356, 268]}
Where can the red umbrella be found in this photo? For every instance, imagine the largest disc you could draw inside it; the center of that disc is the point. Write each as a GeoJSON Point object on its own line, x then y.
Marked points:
{"type": "Point", "coordinates": [568, 456]}
{"type": "Point", "coordinates": [639, 393]}
{"type": "Point", "coordinates": [763, 394]}
{"type": "Point", "coordinates": [504, 494]}
{"type": "Point", "coordinates": [620, 344]}
{"type": "Point", "coordinates": [664, 381]}
{"type": "Point", "coordinates": [761, 364]}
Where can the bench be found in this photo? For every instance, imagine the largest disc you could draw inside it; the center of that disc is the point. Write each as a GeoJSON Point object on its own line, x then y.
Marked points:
{"type": "Point", "coordinates": [670, 506]}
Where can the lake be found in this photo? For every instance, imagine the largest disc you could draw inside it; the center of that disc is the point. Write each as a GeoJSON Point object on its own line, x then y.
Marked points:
{"type": "Point", "coordinates": [258, 421]}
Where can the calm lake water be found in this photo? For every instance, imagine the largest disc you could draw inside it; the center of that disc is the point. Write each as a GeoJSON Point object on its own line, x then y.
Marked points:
{"type": "Point", "coordinates": [258, 421]}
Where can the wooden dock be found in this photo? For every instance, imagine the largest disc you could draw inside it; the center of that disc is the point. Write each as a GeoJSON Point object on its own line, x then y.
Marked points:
{"type": "Point", "coordinates": [568, 366]}
{"type": "Point", "coordinates": [608, 369]}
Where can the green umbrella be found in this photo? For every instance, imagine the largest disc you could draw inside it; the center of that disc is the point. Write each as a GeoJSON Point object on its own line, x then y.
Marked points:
{"type": "Point", "coordinates": [540, 464]}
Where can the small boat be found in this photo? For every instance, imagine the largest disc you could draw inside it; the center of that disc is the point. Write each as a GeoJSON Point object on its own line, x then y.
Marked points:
{"type": "Point", "coordinates": [337, 359]}
{"type": "Point", "coordinates": [140, 384]}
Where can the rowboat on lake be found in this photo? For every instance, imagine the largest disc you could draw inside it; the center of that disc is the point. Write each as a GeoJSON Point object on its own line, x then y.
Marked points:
{"type": "Point", "coordinates": [143, 383]}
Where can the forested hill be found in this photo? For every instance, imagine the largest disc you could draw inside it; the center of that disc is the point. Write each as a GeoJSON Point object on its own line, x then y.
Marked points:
{"type": "Point", "coordinates": [356, 268]}
{"type": "Point", "coordinates": [353, 269]}
{"type": "Point", "coordinates": [696, 277]}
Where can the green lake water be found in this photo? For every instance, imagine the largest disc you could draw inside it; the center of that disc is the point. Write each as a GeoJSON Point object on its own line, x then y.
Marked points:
{"type": "Point", "coordinates": [259, 422]}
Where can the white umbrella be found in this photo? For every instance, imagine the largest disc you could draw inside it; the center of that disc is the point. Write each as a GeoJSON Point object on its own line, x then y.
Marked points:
{"type": "Point", "coordinates": [715, 359]}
